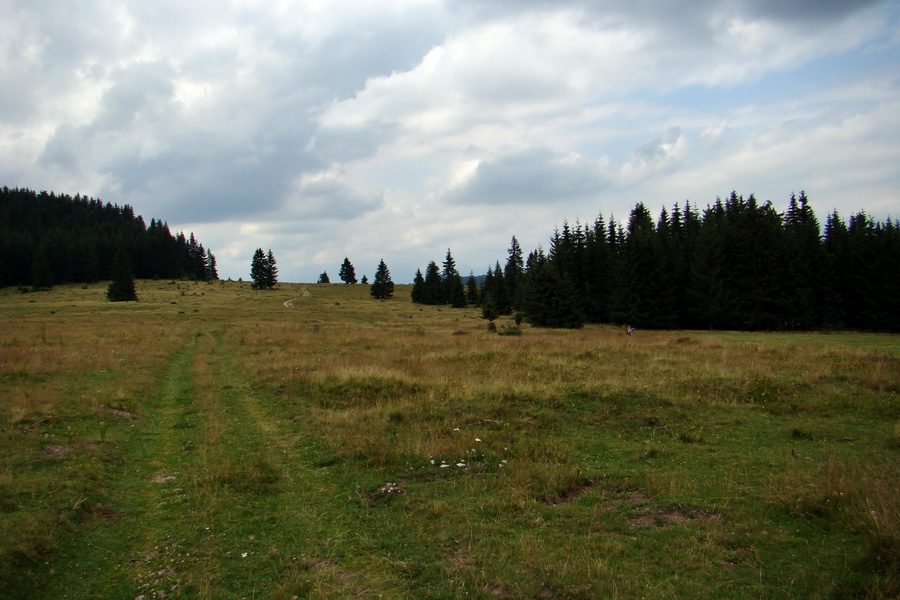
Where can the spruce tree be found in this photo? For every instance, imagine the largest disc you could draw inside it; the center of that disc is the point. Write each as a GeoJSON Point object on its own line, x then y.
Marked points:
{"type": "Point", "coordinates": [489, 307]}
{"type": "Point", "coordinates": [864, 275]}
{"type": "Point", "coordinates": [212, 273]}
{"type": "Point", "coordinates": [382, 286]}
{"type": "Point", "coordinates": [121, 289]}
{"type": "Point", "coordinates": [472, 290]}
{"type": "Point", "coordinates": [434, 285]}
{"type": "Point", "coordinates": [417, 295]}
{"type": "Point", "coordinates": [755, 250]}
{"type": "Point", "coordinates": [258, 270]}
{"type": "Point", "coordinates": [500, 291]}
{"type": "Point", "coordinates": [448, 275]}
{"type": "Point", "coordinates": [889, 287]}
{"type": "Point", "coordinates": [666, 285]}
{"type": "Point", "coordinates": [513, 273]}
{"type": "Point", "coordinates": [805, 263]}
{"type": "Point", "coordinates": [488, 286]}
{"type": "Point", "coordinates": [686, 232]}
{"type": "Point", "coordinates": [271, 270]}
{"type": "Point", "coordinates": [836, 247]}
{"type": "Point", "coordinates": [550, 299]}
{"type": "Point", "coordinates": [598, 272]}
{"type": "Point", "coordinates": [457, 293]}
{"type": "Point", "coordinates": [323, 278]}
{"type": "Point", "coordinates": [709, 294]}
{"type": "Point", "coordinates": [636, 296]}
{"type": "Point", "coordinates": [347, 272]}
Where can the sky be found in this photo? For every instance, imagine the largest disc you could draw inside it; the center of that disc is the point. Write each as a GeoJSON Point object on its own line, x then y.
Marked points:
{"type": "Point", "coordinates": [400, 129]}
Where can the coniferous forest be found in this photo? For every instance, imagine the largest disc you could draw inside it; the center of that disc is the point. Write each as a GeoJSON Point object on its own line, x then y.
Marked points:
{"type": "Point", "coordinates": [48, 239]}
{"type": "Point", "coordinates": [738, 265]}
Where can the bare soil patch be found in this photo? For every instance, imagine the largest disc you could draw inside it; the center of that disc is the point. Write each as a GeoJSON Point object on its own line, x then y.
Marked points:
{"type": "Point", "coordinates": [643, 512]}
{"type": "Point", "coordinates": [123, 413]}
{"type": "Point", "coordinates": [57, 450]}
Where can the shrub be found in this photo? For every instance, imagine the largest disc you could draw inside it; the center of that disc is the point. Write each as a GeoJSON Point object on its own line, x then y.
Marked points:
{"type": "Point", "coordinates": [510, 330]}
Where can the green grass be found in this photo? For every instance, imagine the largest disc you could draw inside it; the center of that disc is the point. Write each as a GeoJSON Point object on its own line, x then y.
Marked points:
{"type": "Point", "coordinates": [210, 441]}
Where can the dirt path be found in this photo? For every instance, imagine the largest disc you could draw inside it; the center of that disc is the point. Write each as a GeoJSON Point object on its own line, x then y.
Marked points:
{"type": "Point", "coordinates": [290, 303]}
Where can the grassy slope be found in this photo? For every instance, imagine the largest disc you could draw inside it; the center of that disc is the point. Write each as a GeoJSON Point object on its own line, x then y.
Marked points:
{"type": "Point", "coordinates": [211, 441]}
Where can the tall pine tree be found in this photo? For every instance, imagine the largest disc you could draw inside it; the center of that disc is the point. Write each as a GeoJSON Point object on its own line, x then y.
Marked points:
{"type": "Point", "coordinates": [550, 299]}
{"type": "Point", "coordinates": [263, 271]}
{"type": "Point", "coordinates": [514, 272]}
{"type": "Point", "coordinates": [417, 294]}
{"type": "Point", "coordinates": [433, 292]}
{"type": "Point", "coordinates": [382, 286]}
{"type": "Point", "coordinates": [347, 273]}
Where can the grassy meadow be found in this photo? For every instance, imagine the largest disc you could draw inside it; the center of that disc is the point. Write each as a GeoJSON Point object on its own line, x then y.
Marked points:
{"type": "Point", "coordinates": [212, 441]}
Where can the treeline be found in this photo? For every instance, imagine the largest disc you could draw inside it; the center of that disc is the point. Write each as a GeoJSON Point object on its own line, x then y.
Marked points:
{"type": "Point", "coordinates": [48, 239]}
{"type": "Point", "coordinates": [739, 264]}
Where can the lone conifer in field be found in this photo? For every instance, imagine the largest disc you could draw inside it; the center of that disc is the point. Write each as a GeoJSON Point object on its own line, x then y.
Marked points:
{"type": "Point", "coordinates": [382, 286]}
{"type": "Point", "coordinates": [263, 271]}
{"type": "Point", "coordinates": [347, 272]}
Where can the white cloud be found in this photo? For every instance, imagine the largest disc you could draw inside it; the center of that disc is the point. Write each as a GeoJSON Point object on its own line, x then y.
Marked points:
{"type": "Point", "coordinates": [397, 129]}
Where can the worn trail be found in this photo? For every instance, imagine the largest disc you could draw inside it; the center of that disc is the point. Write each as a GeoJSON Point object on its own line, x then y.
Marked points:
{"type": "Point", "coordinates": [215, 497]}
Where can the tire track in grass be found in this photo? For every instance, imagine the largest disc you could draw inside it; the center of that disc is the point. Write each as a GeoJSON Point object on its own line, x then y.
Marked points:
{"type": "Point", "coordinates": [295, 528]}
{"type": "Point", "coordinates": [128, 549]}
{"type": "Point", "coordinates": [216, 497]}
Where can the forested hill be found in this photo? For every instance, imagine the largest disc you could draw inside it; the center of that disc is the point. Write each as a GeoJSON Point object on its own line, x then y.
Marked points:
{"type": "Point", "coordinates": [48, 239]}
